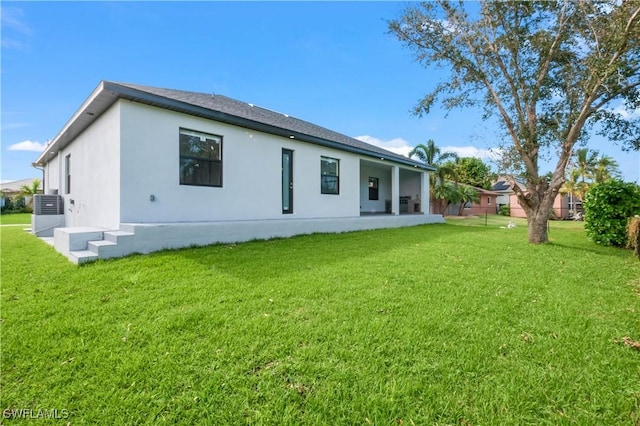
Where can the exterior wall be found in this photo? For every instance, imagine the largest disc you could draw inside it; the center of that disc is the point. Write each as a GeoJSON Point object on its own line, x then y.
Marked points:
{"type": "Point", "coordinates": [560, 207]}
{"type": "Point", "coordinates": [487, 204]}
{"type": "Point", "coordinates": [514, 207]}
{"type": "Point", "coordinates": [149, 237]}
{"type": "Point", "coordinates": [95, 184]}
{"type": "Point", "coordinates": [503, 199]}
{"type": "Point", "coordinates": [477, 209]}
{"type": "Point", "coordinates": [410, 184]}
{"type": "Point", "coordinates": [383, 174]}
{"type": "Point", "coordinates": [52, 176]}
{"type": "Point", "coordinates": [252, 177]}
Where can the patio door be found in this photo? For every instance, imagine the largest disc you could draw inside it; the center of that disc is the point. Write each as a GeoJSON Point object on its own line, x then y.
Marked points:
{"type": "Point", "coordinates": [287, 181]}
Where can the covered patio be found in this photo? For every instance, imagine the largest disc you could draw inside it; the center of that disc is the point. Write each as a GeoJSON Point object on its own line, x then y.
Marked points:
{"type": "Point", "coordinates": [388, 189]}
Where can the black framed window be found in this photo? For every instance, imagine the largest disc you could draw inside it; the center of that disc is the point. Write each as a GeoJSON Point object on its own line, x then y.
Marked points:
{"type": "Point", "coordinates": [373, 188]}
{"type": "Point", "coordinates": [329, 175]}
{"type": "Point", "coordinates": [67, 174]}
{"type": "Point", "coordinates": [200, 158]}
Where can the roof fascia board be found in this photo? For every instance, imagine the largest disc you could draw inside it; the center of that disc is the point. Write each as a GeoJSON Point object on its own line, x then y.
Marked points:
{"type": "Point", "coordinates": [123, 92]}
{"type": "Point", "coordinates": [180, 106]}
{"type": "Point", "coordinates": [53, 146]}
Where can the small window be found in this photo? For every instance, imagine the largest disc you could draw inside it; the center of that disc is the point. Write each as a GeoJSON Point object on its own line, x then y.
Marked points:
{"type": "Point", "coordinates": [489, 200]}
{"type": "Point", "coordinates": [200, 159]}
{"type": "Point", "coordinates": [67, 174]}
{"type": "Point", "coordinates": [373, 188]}
{"type": "Point", "coordinates": [329, 175]}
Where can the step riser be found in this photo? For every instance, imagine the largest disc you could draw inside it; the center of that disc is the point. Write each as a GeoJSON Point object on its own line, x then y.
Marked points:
{"type": "Point", "coordinates": [82, 256]}
{"type": "Point", "coordinates": [118, 236]}
{"type": "Point", "coordinates": [84, 247]}
{"type": "Point", "coordinates": [106, 249]}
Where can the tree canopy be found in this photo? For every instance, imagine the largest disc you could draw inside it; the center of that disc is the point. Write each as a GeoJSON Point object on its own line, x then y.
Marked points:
{"type": "Point", "coordinates": [471, 171]}
{"type": "Point", "coordinates": [551, 71]}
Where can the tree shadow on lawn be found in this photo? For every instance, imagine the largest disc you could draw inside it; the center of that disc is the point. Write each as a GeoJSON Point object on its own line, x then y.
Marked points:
{"type": "Point", "coordinates": [620, 253]}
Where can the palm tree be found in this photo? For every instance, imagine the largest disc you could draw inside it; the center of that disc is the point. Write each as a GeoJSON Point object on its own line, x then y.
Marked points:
{"type": "Point", "coordinates": [571, 187]}
{"type": "Point", "coordinates": [431, 156]}
{"type": "Point", "coordinates": [29, 191]}
{"type": "Point", "coordinates": [585, 162]}
{"type": "Point", "coordinates": [446, 193]}
{"type": "Point", "coordinates": [605, 169]}
{"type": "Point", "coordinates": [467, 195]}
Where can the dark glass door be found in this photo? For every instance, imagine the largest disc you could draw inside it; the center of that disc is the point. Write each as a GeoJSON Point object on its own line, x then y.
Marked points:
{"type": "Point", "coordinates": [287, 181]}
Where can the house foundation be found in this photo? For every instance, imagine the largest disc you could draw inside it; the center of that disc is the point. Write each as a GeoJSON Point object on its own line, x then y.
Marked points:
{"type": "Point", "coordinates": [81, 245]}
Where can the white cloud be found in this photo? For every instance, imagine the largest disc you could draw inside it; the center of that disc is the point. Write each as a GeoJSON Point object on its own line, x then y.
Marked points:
{"type": "Point", "coordinates": [403, 147]}
{"type": "Point", "coordinates": [472, 151]}
{"type": "Point", "coordinates": [396, 145]}
{"type": "Point", "coordinates": [626, 114]}
{"type": "Point", "coordinates": [11, 126]}
{"type": "Point", "coordinates": [16, 32]}
{"type": "Point", "coordinates": [12, 17]}
{"type": "Point", "coordinates": [27, 146]}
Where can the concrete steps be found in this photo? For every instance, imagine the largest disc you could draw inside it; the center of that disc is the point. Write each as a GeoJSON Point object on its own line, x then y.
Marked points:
{"type": "Point", "coordinates": [82, 256]}
{"type": "Point", "coordinates": [82, 245]}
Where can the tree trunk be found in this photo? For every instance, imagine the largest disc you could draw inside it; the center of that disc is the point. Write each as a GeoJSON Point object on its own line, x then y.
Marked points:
{"type": "Point", "coordinates": [538, 205]}
{"type": "Point", "coordinates": [537, 228]}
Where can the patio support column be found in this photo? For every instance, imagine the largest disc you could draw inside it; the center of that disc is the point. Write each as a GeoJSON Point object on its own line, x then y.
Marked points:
{"type": "Point", "coordinates": [424, 194]}
{"type": "Point", "coordinates": [395, 190]}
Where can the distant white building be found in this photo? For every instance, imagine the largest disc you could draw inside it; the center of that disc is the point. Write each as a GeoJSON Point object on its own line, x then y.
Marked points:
{"type": "Point", "coordinates": [140, 169]}
{"type": "Point", "coordinates": [10, 190]}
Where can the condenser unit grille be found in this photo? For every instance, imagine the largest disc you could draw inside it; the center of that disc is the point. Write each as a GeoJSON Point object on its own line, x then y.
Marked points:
{"type": "Point", "coordinates": [47, 204]}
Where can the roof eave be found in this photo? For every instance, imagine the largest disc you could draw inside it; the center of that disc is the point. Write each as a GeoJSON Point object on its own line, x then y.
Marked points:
{"type": "Point", "coordinates": [187, 108]}
{"type": "Point", "coordinates": [107, 93]}
{"type": "Point", "coordinates": [95, 104]}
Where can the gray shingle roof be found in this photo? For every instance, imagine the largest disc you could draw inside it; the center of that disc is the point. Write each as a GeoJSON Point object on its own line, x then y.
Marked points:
{"type": "Point", "coordinates": [245, 114]}
{"type": "Point", "coordinates": [213, 107]}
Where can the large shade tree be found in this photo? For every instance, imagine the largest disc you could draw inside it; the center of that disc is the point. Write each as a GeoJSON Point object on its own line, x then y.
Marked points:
{"type": "Point", "coordinates": [551, 71]}
{"type": "Point", "coordinates": [472, 171]}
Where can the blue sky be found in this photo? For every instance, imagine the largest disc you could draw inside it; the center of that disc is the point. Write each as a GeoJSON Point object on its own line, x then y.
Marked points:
{"type": "Point", "coordinates": [331, 63]}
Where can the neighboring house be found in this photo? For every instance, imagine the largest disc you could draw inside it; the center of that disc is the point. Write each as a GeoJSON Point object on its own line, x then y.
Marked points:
{"type": "Point", "coordinates": [11, 190]}
{"type": "Point", "coordinates": [504, 189]}
{"type": "Point", "coordinates": [139, 169]}
{"type": "Point", "coordinates": [486, 204]}
{"type": "Point", "coordinates": [561, 208]}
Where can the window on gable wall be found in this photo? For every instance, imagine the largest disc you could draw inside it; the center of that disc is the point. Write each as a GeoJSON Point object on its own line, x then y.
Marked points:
{"type": "Point", "coordinates": [329, 175]}
{"type": "Point", "coordinates": [200, 158]}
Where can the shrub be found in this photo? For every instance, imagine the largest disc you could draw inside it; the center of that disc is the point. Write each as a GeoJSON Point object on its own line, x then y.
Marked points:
{"type": "Point", "coordinates": [607, 209]}
{"type": "Point", "coordinates": [504, 210]}
{"type": "Point", "coordinates": [16, 205]}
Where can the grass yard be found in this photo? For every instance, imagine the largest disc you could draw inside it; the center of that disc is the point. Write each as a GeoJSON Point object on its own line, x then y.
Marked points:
{"type": "Point", "coordinates": [432, 325]}
{"type": "Point", "coordinates": [15, 219]}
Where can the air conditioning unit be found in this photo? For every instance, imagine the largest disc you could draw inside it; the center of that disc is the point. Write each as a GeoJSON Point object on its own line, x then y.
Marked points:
{"type": "Point", "coordinates": [47, 204]}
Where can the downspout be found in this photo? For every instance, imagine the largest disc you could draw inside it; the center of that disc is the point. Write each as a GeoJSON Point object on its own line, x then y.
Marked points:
{"type": "Point", "coordinates": [35, 166]}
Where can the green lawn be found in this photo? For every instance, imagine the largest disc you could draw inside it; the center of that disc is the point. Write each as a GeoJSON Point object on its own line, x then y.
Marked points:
{"type": "Point", "coordinates": [431, 325]}
{"type": "Point", "coordinates": [15, 218]}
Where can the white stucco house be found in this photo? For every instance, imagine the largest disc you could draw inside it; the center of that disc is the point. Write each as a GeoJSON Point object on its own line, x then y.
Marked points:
{"type": "Point", "coordinates": [139, 169]}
